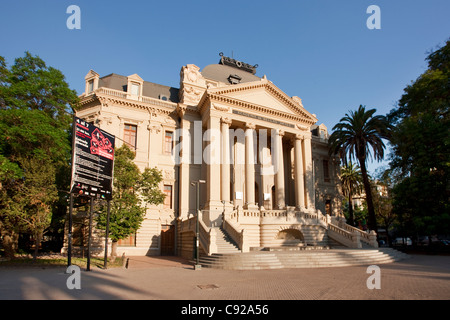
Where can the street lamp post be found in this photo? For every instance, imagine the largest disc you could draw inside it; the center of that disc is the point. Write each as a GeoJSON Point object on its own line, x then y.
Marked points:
{"type": "Point", "coordinates": [197, 265]}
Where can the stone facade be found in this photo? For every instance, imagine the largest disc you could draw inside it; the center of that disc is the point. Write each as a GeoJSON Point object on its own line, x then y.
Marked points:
{"type": "Point", "coordinates": [263, 159]}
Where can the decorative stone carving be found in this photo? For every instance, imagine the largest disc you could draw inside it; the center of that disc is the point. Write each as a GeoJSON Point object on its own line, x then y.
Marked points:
{"type": "Point", "coordinates": [225, 120]}
{"type": "Point", "coordinates": [190, 94]}
{"type": "Point", "coordinates": [168, 174]}
{"type": "Point", "coordinates": [249, 125]}
{"type": "Point", "coordinates": [190, 73]}
{"type": "Point", "coordinates": [302, 127]}
{"type": "Point", "coordinates": [220, 107]}
{"type": "Point", "coordinates": [297, 100]}
{"type": "Point", "coordinates": [154, 128]}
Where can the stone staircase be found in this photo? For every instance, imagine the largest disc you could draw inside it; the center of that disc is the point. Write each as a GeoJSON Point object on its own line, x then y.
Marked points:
{"type": "Point", "coordinates": [224, 242]}
{"type": "Point", "coordinates": [255, 260]}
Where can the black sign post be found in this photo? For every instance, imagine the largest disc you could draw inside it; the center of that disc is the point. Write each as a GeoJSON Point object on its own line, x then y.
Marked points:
{"type": "Point", "coordinates": [105, 263]}
{"type": "Point", "coordinates": [92, 169]}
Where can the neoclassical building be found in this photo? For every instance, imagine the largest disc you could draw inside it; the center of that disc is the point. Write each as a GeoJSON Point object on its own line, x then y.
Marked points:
{"type": "Point", "coordinates": [257, 156]}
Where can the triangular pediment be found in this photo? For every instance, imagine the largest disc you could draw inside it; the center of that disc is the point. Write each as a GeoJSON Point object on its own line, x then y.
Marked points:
{"type": "Point", "coordinates": [264, 93]}
{"type": "Point", "coordinates": [135, 77]}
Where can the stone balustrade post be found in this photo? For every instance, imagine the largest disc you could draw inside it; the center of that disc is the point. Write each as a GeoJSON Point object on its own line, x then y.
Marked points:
{"type": "Point", "coordinates": [356, 239]}
{"type": "Point", "coordinates": [212, 241]}
{"type": "Point", "coordinates": [373, 239]}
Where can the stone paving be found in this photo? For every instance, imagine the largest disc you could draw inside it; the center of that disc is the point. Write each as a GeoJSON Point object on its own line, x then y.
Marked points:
{"type": "Point", "coordinates": [422, 277]}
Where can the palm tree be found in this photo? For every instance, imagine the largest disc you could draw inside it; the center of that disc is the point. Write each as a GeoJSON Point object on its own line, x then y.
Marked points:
{"type": "Point", "coordinates": [354, 137]}
{"type": "Point", "coordinates": [351, 180]}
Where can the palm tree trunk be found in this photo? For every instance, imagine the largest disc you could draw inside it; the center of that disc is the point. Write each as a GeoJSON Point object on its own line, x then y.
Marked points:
{"type": "Point", "coordinates": [350, 211]}
{"type": "Point", "coordinates": [369, 201]}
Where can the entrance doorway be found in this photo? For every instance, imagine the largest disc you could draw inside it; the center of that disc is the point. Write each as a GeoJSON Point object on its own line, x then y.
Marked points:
{"type": "Point", "coordinates": [167, 240]}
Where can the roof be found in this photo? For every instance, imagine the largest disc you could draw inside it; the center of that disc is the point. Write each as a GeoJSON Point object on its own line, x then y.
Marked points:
{"type": "Point", "coordinates": [219, 72]}
{"type": "Point", "coordinates": [149, 89]}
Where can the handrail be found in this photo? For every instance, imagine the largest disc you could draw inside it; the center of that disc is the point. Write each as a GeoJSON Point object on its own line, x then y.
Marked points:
{"type": "Point", "coordinates": [350, 239]}
{"type": "Point", "coordinates": [369, 238]}
{"type": "Point", "coordinates": [234, 232]}
{"type": "Point", "coordinates": [205, 233]}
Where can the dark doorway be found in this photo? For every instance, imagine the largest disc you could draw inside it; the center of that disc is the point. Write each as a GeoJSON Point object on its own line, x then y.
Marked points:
{"type": "Point", "coordinates": [167, 240]}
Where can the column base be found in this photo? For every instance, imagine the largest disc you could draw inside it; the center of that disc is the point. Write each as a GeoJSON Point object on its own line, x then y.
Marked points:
{"type": "Point", "coordinates": [213, 211]}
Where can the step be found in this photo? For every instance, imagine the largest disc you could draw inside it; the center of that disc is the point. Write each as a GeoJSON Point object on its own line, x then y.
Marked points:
{"type": "Point", "coordinates": [301, 259]}
{"type": "Point", "coordinates": [224, 243]}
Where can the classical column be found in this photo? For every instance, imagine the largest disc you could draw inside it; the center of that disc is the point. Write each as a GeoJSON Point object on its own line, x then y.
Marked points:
{"type": "Point", "coordinates": [279, 175]}
{"type": "Point", "coordinates": [184, 167]}
{"type": "Point", "coordinates": [309, 181]}
{"type": "Point", "coordinates": [298, 166]}
{"type": "Point", "coordinates": [213, 206]}
{"type": "Point", "coordinates": [225, 166]}
{"type": "Point", "coordinates": [249, 165]}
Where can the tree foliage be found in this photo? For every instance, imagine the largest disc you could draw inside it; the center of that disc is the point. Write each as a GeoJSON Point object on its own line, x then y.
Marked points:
{"type": "Point", "coordinates": [356, 136]}
{"type": "Point", "coordinates": [35, 144]}
{"type": "Point", "coordinates": [421, 149]}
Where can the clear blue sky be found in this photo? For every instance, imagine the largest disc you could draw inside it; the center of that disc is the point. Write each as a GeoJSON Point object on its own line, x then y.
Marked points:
{"type": "Point", "coordinates": [321, 51]}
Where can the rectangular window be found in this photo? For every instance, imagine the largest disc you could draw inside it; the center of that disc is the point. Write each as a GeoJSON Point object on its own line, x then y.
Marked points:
{"type": "Point", "coordinates": [168, 198]}
{"type": "Point", "coordinates": [135, 88]}
{"type": "Point", "coordinates": [326, 171]}
{"type": "Point", "coordinates": [90, 86]}
{"type": "Point", "coordinates": [129, 135]}
{"type": "Point", "coordinates": [168, 142]}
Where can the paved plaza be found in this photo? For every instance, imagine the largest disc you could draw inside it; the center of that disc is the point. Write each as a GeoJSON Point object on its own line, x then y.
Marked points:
{"type": "Point", "coordinates": [421, 277]}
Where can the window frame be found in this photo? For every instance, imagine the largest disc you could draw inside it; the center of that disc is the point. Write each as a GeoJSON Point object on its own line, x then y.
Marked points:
{"type": "Point", "coordinates": [169, 195]}
{"type": "Point", "coordinates": [166, 142]}
{"type": "Point", "coordinates": [128, 132]}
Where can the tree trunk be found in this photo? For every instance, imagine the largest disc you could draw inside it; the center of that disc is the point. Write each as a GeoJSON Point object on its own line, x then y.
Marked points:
{"type": "Point", "coordinates": [350, 211]}
{"type": "Point", "coordinates": [369, 201]}
{"type": "Point", "coordinates": [37, 242]}
{"type": "Point", "coordinates": [113, 250]}
{"type": "Point", "coordinates": [10, 243]}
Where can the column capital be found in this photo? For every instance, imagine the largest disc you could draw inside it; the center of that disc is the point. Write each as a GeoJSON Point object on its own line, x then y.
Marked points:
{"type": "Point", "coordinates": [298, 137]}
{"type": "Point", "coordinates": [249, 125]}
{"type": "Point", "coordinates": [307, 135]}
{"type": "Point", "coordinates": [225, 120]}
{"type": "Point", "coordinates": [281, 133]}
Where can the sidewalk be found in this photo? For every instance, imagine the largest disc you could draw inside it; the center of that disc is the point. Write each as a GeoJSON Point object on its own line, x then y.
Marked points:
{"type": "Point", "coordinates": [171, 278]}
{"type": "Point", "coordinates": [157, 262]}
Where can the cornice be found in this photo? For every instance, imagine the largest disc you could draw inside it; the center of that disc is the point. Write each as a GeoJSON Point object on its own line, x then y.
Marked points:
{"type": "Point", "coordinates": [259, 109]}
{"type": "Point", "coordinates": [151, 105]}
{"type": "Point", "coordinates": [272, 89]}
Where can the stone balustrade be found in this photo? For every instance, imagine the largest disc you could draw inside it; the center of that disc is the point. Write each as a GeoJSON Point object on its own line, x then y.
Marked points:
{"type": "Point", "coordinates": [238, 221]}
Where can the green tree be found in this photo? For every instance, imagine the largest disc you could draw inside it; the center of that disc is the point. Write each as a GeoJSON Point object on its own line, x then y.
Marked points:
{"type": "Point", "coordinates": [132, 192]}
{"type": "Point", "coordinates": [421, 149]}
{"type": "Point", "coordinates": [382, 201]}
{"type": "Point", "coordinates": [354, 137]}
{"type": "Point", "coordinates": [35, 144]}
{"type": "Point", "coordinates": [351, 180]}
